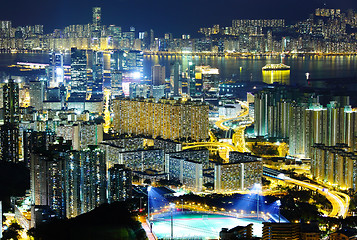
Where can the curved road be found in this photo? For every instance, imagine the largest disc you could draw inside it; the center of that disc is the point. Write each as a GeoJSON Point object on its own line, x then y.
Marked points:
{"type": "Point", "coordinates": [339, 206]}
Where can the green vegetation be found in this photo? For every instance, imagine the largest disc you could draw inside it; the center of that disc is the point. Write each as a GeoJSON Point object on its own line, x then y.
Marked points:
{"type": "Point", "coordinates": [13, 232]}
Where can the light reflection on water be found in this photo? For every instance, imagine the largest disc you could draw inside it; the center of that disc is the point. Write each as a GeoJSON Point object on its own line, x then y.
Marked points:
{"type": "Point", "coordinates": [237, 68]}
{"type": "Point", "coordinates": [276, 76]}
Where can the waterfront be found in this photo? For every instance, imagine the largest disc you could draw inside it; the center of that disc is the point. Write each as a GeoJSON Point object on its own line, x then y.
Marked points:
{"type": "Point", "coordinates": [246, 69]}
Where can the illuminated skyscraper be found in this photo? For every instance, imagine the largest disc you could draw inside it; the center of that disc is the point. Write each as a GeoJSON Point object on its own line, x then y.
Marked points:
{"type": "Point", "coordinates": [175, 80]}
{"type": "Point", "coordinates": [191, 79]}
{"type": "Point", "coordinates": [10, 129]}
{"type": "Point", "coordinates": [98, 73]}
{"type": "Point", "coordinates": [96, 27]}
{"type": "Point", "coordinates": [93, 178]}
{"type": "Point", "coordinates": [97, 17]}
{"type": "Point", "coordinates": [36, 94]}
{"type": "Point", "coordinates": [55, 69]}
{"type": "Point", "coordinates": [119, 183]}
{"type": "Point", "coordinates": [47, 169]}
{"type": "Point", "coordinates": [69, 182]}
{"type": "Point", "coordinates": [152, 39]}
{"type": "Point", "coordinates": [158, 75]}
{"type": "Point", "coordinates": [78, 81]}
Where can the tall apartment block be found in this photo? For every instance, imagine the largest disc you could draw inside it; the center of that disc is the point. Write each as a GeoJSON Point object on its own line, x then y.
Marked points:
{"type": "Point", "coordinates": [240, 173]}
{"type": "Point", "coordinates": [119, 183]}
{"type": "Point", "coordinates": [69, 182]}
{"type": "Point", "coordinates": [10, 129]}
{"type": "Point", "coordinates": [167, 119]}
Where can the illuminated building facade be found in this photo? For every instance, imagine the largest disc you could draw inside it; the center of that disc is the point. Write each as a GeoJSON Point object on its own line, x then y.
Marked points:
{"type": "Point", "coordinates": [137, 90]}
{"type": "Point", "coordinates": [81, 134]}
{"type": "Point", "coordinates": [187, 167]}
{"type": "Point", "coordinates": [175, 80]}
{"type": "Point", "coordinates": [240, 173]}
{"type": "Point", "coordinates": [96, 85]}
{"type": "Point", "coordinates": [299, 118]}
{"type": "Point", "coordinates": [47, 171]}
{"type": "Point", "coordinates": [93, 178]}
{"type": "Point", "coordinates": [248, 26]}
{"type": "Point", "coordinates": [34, 140]}
{"type": "Point", "coordinates": [189, 173]}
{"type": "Point", "coordinates": [10, 129]}
{"type": "Point", "coordinates": [78, 83]}
{"type": "Point", "coordinates": [168, 119]}
{"type": "Point", "coordinates": [56, 70]}
{"type": "Point", "coordinates": [330, 126]}
{"type": "Point", "coordinates": [69, 182]}
{"type": "Point", "coordinates": [281, 231]}
{"type": "Point", "coordinates": [36, 92]}
{"type": "Point", "coordinates": [158, 75]}
{"type": "Point", "coordinates": [119, 183]}
{"type": "Point", "coordinates": [334, 165]}
{"type": "Point", "coordinates": [96, 27]}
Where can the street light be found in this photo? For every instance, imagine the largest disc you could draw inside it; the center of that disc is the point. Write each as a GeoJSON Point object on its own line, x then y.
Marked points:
{"type": "Point", "coordinates": [149, 189]}
{"type": "Point", "coordinates": [172, 206]}
{"type": "Point", "coordinates": [278, 203]}
{"type": "Point", "coordinates": [258, 188]}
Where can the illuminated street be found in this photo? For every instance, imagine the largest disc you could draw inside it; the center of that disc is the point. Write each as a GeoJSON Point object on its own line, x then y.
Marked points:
{"type": "Point", "coordinates": [339, 206]}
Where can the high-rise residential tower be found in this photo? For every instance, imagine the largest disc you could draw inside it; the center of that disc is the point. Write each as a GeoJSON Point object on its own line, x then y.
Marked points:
{"type": "Point", "coordinates": [10, 129]}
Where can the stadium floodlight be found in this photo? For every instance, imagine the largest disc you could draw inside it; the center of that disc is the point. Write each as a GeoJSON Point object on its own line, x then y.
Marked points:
{"type": "Point", "coordinates": [278, 203]}
{"type": "Point", "coordinates": [149, 190]}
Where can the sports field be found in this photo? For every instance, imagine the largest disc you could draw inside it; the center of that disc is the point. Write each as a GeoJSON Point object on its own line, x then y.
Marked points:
{"type": "Point", "coordinates": [200, 226]}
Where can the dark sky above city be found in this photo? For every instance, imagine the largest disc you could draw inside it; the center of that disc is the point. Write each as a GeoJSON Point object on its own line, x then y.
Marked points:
{"type": "Point", "coordinates": [177, 17]}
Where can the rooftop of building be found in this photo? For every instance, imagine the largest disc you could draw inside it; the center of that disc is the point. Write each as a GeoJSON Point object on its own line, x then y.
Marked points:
{"type": "Point", "coordinates": [347, 231]}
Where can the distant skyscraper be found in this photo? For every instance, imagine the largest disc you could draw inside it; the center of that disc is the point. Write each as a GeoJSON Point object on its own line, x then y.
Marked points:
{"type": "Point", "coordinates": [56, 70]}
{"type": "Point", "coordinates": [152, 39]}
{"type": "Point", "coordinates": [98, 73]}
{"type": "Point", "coordinates": [158, 75]}
{"type": "Point", "coordinates": [96, 27]}
{"type": "Point", "coordinates": [11, 102]}
{"type": "Point", "coordinates": [145, 40]}
{"type": "Point", "coordinates": [97, 17]}
{"type": "Point", "coordinates": [78, 82]}
{"type": "Point", "coordinates": [10, 129]}
{"type": "Point", "coordinates": [137, 90]}
{"type": "Point", "coordinates": [36, 94]}
{"type": "Point", "coordinates": [191, 79]}
{"type": "Point", "coordinates": [175, 79]}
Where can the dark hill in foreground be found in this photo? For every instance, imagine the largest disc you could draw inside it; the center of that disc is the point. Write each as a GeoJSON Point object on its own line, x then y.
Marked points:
{"type": "Point", "coordinates": [107, 222]}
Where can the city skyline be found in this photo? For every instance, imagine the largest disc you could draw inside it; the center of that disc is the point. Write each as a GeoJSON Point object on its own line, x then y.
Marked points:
{"type": "Point", "coordinates": [184, 18]}
{"type": "Point", "coordinates": [198, 119]}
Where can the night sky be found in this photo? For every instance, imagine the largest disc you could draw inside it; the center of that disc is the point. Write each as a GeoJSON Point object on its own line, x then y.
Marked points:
{"type": "Point", "coordinates": [177, 17]}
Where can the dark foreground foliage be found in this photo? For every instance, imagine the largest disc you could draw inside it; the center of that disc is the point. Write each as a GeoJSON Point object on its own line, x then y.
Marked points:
{"type": "Point", "coordinates": [107, 222]}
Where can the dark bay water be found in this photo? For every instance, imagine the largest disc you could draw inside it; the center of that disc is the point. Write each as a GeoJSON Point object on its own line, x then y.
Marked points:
{"type": "Point", "coordinates": [237, 68]}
